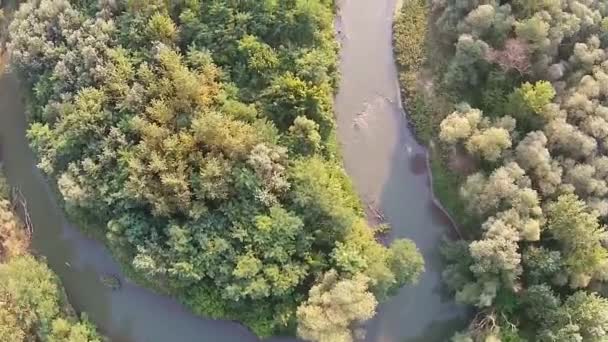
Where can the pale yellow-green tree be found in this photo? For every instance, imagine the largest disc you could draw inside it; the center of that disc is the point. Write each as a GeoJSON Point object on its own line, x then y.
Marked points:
{"type": "Point", "coordinates": [489, 143]}
{"type": "Point", "coordinates": [335, 308]}
{"type": "Point", "coordinates": [534, 157]}
{"type": "Point", "coordinates": [459, 125]}
{"type": "Point", "coordinates": [481, 136]}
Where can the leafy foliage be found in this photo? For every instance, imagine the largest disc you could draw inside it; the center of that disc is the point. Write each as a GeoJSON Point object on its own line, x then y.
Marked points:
{"type": "Point", "coordinates": [409, 37]}
{"type": "Point", "coordinates": [334, 306]}
{"type": "Point", "coordinates": [532, 75]}
{"type": "Point", "coordinates": [33, 305]}
{"type": "Point", "coordinates": [196, 136]}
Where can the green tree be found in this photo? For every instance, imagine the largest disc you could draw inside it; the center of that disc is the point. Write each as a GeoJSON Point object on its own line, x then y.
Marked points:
{"type": "Point", "coordinates": [580, 236]}
{"type": "Point", "coordinates": [161, 28]}
{"type": "Point", "coordinates": [536, 96]}
{"type": "Point", "coordinates": [335, 307]}
{"type": "Point", "coordinates": [34, 305]}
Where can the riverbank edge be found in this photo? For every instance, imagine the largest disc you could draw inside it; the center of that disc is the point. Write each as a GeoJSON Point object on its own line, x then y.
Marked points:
{"type": "Point", "coordinates": [412, 52]}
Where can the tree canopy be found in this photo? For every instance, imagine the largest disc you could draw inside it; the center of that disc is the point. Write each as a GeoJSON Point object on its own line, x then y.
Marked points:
{"type": "Point", "coordinates": [197, 138]}
{"type": "Point", "coordinates": [525, 86]}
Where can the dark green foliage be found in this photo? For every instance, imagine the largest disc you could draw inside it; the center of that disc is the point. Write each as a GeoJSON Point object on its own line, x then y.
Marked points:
{"type": "Point", "coordinates": [495, 94]}
{"type": "Point", "coordinates": [468, 69]}
{"type": "Point", "coordinates": [542, 264]}
{"type": "Point", "coordinates": [446, 186]}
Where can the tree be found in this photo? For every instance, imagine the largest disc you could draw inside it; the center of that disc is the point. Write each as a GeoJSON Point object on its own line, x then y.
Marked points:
{"type": "Point", "coordinates": [583, 178]}
{"type": "Point", "coordinates": [489, 143]}
{"type": "Point", "coordinates": [335, 307]}
{"type": "Point", "coordinates": [10, 329]}
{"type": "Point", "coordinates": [496, 255]}
{"type": "Point", "coordinates": [387, 270]}
{"type": "Point", "coordinates": [569, 139]}
{"type": "Point", "coordinates": [536, 96]}
{"type": "Point", "coordinates": [13, 239]}
{"type": "Point", "coordinates": [580, 236]}
{"type": "Point", "coordinates": [460, 125]}
{"type": "Point", "coordinates": [542, 305]}
{"type": "Point", "coordinates": [463, 70]}
{"type": "Point", "coordinates": [590, 313]}
{"type": "Point", "coordinates": [161, 28]}
{"type": "Point", "coordinates": [507, 187]}
{"type": "Point", "coordinates": [34, 20]}
{"type": "Point", "coordinates": [487, 139]}
{"type": "Point", "coordinates": [587, 54]}
{"type": "Point", "coordinates": [534, 30]}
{"type": "Point", "coordinates": [289, 97]}
{"type": "Point", "coordinates": [542, 264]}
{"type": "Point", "coordinates": [304, 137]}
{"type": "Point", "coordinates": [533, 155]}
{"type": "Point", "coordinates": [67, 331]}
{"type": "Point", "coordinates": [405, 261]}
{"type": "Point", "coordinates": [581, 317]}
{"type": "Point", "coordinates": [514, 56]}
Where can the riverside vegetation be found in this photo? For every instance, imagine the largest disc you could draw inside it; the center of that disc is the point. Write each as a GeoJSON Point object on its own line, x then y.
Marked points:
{"type": "Point", "coordinates": [197, 139]}
{"type": "Point", "coordinates": [523, 96]}
{"type": "Point", "coordinates": [33, 305]}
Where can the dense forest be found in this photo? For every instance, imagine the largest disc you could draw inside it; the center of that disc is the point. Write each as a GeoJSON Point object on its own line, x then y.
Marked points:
{"type": "Point", "coordinates": [33, 305]}
{"type": "Point", "coordinates": [197, 139]}
{"type": "Point", "coordinates": [520, 98]}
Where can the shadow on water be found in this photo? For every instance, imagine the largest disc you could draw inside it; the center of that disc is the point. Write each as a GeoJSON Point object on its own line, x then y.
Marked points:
{"type": "Point", "coordinates": [418, 164]}
{"type": "Point", "coordinates": [388, 167]}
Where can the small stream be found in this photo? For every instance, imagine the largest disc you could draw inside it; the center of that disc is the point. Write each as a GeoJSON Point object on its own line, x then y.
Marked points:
{"type": "Point", "coordinates": [384, 160]}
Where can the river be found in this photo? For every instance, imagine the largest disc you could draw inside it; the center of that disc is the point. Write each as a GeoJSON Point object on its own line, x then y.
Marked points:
{"type": "Point", "coordinates": [388, 168]}
{"type": "Point", "coordinates": [381, 155]}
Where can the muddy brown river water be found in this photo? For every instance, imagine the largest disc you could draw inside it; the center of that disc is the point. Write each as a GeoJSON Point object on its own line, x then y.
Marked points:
{"type": "Point", "coordinates": [387, 166]}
